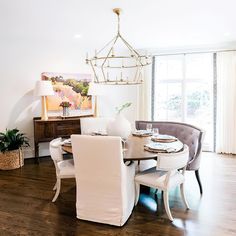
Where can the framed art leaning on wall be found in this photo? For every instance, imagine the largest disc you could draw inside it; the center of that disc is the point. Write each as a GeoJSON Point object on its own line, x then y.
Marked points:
{"type": "Point", "coordinates": [72, 88]}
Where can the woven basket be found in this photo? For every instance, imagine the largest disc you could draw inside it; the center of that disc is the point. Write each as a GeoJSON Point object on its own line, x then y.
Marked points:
{"type": "Point", "coordinates": [10, 160]}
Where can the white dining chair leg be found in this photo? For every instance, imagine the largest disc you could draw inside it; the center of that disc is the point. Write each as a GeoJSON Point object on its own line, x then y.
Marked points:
{"type": "Point", "coordinates": [58, 190]}
{"type": "Point", "coordinates": [55, 186]}
{"type": "Point", "coordinates": [167, 207]}
{"type": "Point", "coordinates": [183, 196]}
{"type": "Point", "coordinates": [137, 191]}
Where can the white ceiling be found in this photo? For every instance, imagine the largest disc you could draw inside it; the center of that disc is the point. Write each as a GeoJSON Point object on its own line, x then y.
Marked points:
{"type": "Point", "coordinates": [144, 23]}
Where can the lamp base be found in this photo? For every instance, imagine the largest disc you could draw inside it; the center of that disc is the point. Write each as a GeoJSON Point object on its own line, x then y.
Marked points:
{"type": "Point", "coordinates": [44, 113]}
{"type": "Point", "coordinates": [95, 107]}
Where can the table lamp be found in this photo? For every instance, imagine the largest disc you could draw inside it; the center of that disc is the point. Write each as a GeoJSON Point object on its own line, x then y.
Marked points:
{"type": "Point", "coordinates": [43, 88]}
{"type": "Point", "coordinates": [94, 90]}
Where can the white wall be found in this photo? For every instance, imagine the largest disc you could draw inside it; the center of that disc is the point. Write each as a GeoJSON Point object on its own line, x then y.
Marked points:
{"type": "Point", "coordinates": [36, 38]}
{"type": "Point", "coordinates": [21, 64]}
{"type": "Point", "coordinates": [117, 95]}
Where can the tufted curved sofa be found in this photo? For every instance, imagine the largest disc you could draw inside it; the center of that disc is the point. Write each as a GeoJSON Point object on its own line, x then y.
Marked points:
{"type": "Point", "coordinates": [188, 134]}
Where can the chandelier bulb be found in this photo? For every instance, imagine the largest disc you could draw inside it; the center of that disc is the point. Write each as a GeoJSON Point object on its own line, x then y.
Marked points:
{"type": "Point", "coordinates": [112, 52]}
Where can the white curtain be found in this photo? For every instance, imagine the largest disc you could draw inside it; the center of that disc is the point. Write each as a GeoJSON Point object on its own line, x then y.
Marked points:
{"type": "Point", "coordinates": [144, 95]}
{"type": "Point", "coordinates": [226, 103]}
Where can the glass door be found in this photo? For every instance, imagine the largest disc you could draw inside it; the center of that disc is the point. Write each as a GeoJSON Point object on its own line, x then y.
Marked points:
{"type": "Point", "coordinates": [184, 91]}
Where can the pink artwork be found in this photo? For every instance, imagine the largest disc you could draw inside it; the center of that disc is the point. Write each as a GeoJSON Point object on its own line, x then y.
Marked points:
{"type": "Point", "coordinates": [72, 88]}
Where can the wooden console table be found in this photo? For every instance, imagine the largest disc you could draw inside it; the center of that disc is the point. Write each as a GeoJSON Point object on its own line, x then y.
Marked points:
{"type": "Point", "coordinates": [54, 127]}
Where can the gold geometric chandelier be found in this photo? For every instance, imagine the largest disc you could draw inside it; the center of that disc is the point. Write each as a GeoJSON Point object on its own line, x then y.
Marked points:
{"type": "Point", "coordinates": [114, 65]}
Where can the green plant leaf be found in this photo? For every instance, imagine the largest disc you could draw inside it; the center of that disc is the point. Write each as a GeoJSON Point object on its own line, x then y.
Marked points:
{"type": "Point", "coordinates": [122, 107]}
{"type": "Point", "coordinates": [12, 140]}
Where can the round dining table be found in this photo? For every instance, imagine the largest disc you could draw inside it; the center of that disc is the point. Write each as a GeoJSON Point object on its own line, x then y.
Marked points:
{"type": "Point", "coordinates": [133, 148]}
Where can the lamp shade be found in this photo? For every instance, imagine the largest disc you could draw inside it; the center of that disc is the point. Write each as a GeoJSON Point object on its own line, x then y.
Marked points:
{"type": "Point", "coordinates": [43, 88]}
{"type": "Point", "coordinates": [94, 89]}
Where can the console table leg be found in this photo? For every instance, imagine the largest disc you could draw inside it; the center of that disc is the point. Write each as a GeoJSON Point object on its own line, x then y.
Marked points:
{"type": "Point", "coordinates": [36, 153]}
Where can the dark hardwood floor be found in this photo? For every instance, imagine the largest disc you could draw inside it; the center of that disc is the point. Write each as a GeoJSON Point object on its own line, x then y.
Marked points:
{"type": "Point", "coordinates": [26, 207]}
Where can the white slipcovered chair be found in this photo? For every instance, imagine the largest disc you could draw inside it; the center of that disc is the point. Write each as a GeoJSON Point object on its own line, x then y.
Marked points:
{"type": "Point", "coordinates": [90, 125]}
{"type": "Point", "coordinates": [165, 175]}
{"type": "Point", "coordinates": [64, 168]}
{"type": "Point", "coordinates": [105, 190]}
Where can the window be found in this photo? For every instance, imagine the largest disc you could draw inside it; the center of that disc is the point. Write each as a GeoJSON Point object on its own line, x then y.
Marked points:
{"type": "Point", "coordinates": [184, 91]}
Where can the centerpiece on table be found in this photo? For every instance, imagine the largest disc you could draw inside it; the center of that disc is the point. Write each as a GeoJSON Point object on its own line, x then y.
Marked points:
{"type": "Point", "coordinates": [120, 126]}
{"type": "Point", "coordinates": [65, 108]}
{"type": "Point", "coordinates": [11, 144]}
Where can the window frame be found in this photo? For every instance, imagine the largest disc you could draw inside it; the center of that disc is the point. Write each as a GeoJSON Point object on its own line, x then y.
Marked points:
{"type": "Point", "coordinates": [184, 82]}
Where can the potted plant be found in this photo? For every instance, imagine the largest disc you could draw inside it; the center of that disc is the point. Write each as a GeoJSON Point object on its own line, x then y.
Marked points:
{"type": "Point", "coordinates": [11, 144]}
{"type": "Point", "coordinates": [120, 126]}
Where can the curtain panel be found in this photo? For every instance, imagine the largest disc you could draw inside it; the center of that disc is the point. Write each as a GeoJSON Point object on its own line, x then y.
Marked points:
{"type": "Point", "coordinates": [226, 103]}
{"type": "Point", "coordinates": [144, 95]}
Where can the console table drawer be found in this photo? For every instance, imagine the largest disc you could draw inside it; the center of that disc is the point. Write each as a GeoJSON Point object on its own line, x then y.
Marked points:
{"type": "Point", "coordinates": [65, 129]}
{"type": "Point", "coordinates": [54, 127]}
{"type": "Point", "coordinates": [44, 131]}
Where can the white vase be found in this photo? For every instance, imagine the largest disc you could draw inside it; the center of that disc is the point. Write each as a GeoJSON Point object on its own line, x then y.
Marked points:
{"type": "Point", "coordinates": [120, 126]}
